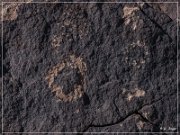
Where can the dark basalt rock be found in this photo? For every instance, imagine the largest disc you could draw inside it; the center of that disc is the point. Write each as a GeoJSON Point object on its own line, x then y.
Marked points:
{"type": "Point", "coordinates": [89, 67]}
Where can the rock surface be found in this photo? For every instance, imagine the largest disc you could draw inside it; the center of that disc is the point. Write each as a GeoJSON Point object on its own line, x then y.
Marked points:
{"type": "Point", "coordinates": [89, 67]}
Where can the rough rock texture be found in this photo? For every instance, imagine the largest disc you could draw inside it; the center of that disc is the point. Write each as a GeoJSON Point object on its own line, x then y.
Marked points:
{"type": "Point", "coordinates": [89, 67]}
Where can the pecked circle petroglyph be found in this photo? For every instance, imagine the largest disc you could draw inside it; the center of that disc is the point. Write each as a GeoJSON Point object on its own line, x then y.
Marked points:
{"type": "Point", "coordinates": [133, 49]}
{"type": "Point", "coordinates": [72, 62]}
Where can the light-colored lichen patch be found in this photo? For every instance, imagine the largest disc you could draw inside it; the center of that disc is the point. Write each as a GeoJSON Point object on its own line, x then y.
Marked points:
{"type": "Point", "coordinates": [9, 10]}
{"type": "Point", "coordinates": [140, 125]}
{"type": "Point", "coordinates": [130, 18]}
{"type": "Point", "coordinates": [146, 115]}
{"type": "Point", "coordinates": [135, 94]}
{"type": "Point", "coordinates": [72, 62]}
{"type": "Point", "coordinates": [129, 11]}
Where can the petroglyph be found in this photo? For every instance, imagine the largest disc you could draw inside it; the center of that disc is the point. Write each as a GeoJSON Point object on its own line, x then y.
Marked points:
{"type": "Point", "coordinates": [136, 93]}
{"type": "Point", "coordinates": [78, 89]}
{"type": "Point", "coordinates": [130, 50]}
